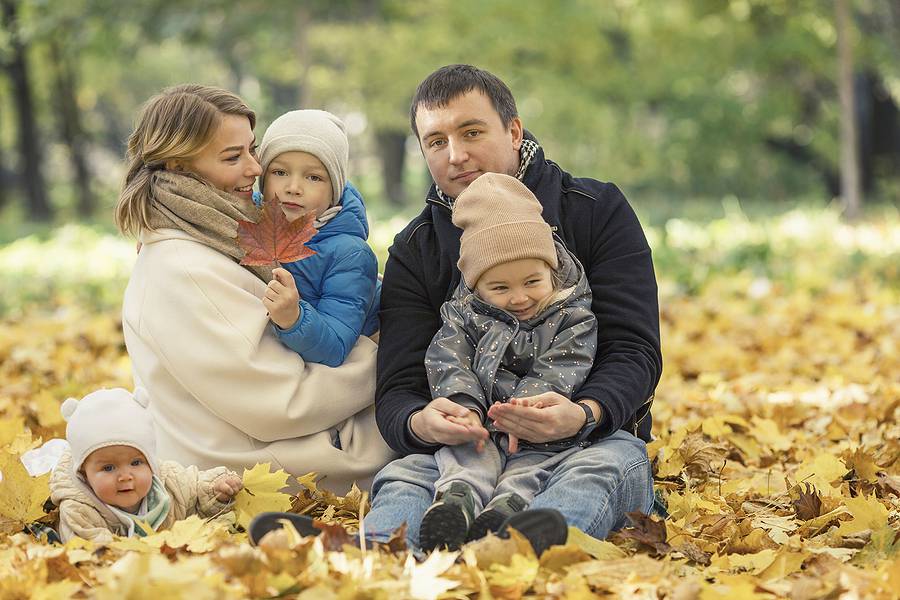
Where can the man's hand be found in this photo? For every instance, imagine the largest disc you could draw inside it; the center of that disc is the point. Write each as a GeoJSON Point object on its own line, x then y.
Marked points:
{"type": "Point", "coordinates": [226, 487]}
{"type": "Point", "coordinates": [282, 299]}
{"type": "Point", "coordinates": [513, 440]}
{"type": "Point", "coordinates": [443, 421]}
{"type": "Point", "coordinates": [556, 419]}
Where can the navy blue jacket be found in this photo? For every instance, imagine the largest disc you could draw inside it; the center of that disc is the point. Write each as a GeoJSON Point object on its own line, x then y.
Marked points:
{"type": "Point", "coordinates": [338, 285]}
{"type": "Point", "coordinates": [596, 223]}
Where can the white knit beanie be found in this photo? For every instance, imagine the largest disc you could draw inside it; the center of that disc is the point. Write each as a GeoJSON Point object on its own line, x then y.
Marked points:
{"type": "Point", "coordinates": [315, 131]}
{"type": "Point", "coordinates": [110, 417]}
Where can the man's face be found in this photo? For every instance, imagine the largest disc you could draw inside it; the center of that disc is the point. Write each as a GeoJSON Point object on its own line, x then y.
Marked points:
{"type": "Point", "coordinates": [466, 138]}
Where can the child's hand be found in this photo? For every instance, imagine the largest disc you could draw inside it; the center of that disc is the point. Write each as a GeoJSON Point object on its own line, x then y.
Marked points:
{"type": "Point", "coordinates": [471, 420]}
{"type": "Point", "coordinates": [282, 299]}
{"type": "Point", "coordinates": [513, 440]}
{"type": "Point", "coordinates": [227, 487]}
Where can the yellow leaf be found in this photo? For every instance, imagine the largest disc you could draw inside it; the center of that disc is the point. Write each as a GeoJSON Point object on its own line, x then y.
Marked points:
{"type": "Point", "coordinates": [21, 495]}
{"type": "Point", "coordinates": [425, 581]}
{"type": "Point", "coordinates": [868, 513]}
{"type": "Point", "coordinates": [517, 576]}
{"type": "Point", "coordinates": [740, 587]}
{"type": "Point", "coordinates": [826, 466]}
{"type": "Point", "coordinates": [261, 493]}
{"type": "Point", "coordinates": [785, 563]}
{"type": "Point", "coordinates": [767, 432]}
{"type": "Point", "coordinates": [754, 563]}
{"type": "Point", "coordinates": [195, 533]}
{"type": "Point", "coordinates": [599, 549]}
{"type": "Point", "coordinates": [9, 429]}
{"type": "Point", "coordinates": [864, 464]}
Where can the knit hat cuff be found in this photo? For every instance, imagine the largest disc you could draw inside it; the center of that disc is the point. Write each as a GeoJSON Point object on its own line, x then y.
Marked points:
{"type": "Point", "coordinates": [78, 461]}
{"type": "Point", "coordinates": [502, 243]}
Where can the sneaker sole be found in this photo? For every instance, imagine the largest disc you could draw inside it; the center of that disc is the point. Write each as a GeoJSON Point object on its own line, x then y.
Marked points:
{"type": "Point", "coordinates": [265, 522]}
{"type": "Point", "coordinates": [542, 527]}
{"type": "Point", "coordinates": [487, 521]}
{"type": "Point", "coordinates": [444, 525]}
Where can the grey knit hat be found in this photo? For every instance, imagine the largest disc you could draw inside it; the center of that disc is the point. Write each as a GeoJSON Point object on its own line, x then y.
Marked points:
{"type": "Point", "coordinates": [110, 417]}
{"type": "Point", "coordinates": [501, 222]}
{"type": "Point", "coordinates": [315, 131]}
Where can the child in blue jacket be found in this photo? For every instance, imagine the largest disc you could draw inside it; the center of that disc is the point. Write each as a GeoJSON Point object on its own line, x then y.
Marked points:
{"type": "Point", "coordinates": [322, 304]}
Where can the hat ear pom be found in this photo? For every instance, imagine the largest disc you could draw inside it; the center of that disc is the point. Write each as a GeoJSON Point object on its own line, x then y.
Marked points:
{"type": "Point", "coordinates": [68, 408]}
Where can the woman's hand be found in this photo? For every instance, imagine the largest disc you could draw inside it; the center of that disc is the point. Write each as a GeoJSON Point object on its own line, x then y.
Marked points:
{"type": "Point", "coordinates": [226, 487]}
{"type": "Point", "coordinates": [556, 419]}
{"type": "Point", "coordinates": [282, 299]}
{"type": "Point", "coordinates": [432, 424]}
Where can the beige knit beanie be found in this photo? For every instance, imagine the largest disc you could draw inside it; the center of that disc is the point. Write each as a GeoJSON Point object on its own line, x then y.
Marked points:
{"type": "Point", "coordinates": [315, 131]}
{"type": "Point", "coordinates": [109, 417]}
{"type": "Point", "coordinates": [501, 222]}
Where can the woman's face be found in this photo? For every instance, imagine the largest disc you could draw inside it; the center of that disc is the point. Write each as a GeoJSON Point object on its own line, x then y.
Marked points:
{"type": "Point", "coordinates": [228, 161]}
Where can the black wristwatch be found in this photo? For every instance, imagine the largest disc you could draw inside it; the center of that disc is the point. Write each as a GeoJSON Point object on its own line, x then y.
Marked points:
{"type": "Point", "coordinates": [589, 422]}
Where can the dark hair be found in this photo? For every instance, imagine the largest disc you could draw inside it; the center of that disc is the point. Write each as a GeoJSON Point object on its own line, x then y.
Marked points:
{"type": "Point", "coordinates": [452, 81]}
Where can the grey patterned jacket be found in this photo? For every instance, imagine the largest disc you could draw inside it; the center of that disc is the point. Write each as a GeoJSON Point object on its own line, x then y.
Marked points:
{"type": "Point", "coordinates": [483, 354]}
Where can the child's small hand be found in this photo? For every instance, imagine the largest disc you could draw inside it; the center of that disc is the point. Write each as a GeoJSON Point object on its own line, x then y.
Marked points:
{"type": "Point", "coordinates": [282, 299]}
{"type": "Point", "coordinates": [227, 487]}
{"type": "Point", "coordinates": [470, 420]}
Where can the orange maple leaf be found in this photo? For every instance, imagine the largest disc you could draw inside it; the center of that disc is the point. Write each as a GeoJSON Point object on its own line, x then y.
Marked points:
{"type": "Point", "coordinates": [274, 239]}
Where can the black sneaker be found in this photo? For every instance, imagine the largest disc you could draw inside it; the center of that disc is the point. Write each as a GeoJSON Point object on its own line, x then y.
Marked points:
{"type": "Point", "coordinates": [446, 522]}
{"type": "Point", "coordinates": [542, 527]}
{"type": "Point", "coordinates": [265, 522]}
{"type": "Point", "coordinates": [495, 513]}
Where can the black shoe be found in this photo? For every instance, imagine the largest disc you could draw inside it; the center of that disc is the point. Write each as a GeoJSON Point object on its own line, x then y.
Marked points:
{"type": "Point", "coordinates": [495, 513]}
{"type": "Point", "coordinates": [542, 527]}
{"type": "Point", "coordinates": [446, 522]}
{"type": "Point", "coordinates": [265, 522]}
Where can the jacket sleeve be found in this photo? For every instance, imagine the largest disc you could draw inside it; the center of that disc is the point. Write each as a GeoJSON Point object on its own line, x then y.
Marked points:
{"type": "Point", "coordinates": [629, 361]}
{"type": "Point", "coordinates": [408, 323]}
{"type": "Point", "coordinates": [326, 333]}
{"type": "Point", "coordinates": [196, 317]}
{"type": "Point", "coordinates": [193, 490]}
{"type": "Point", "coordinates": [80, 520]}
{"type": "Point", "coordinates": [448, 362]}
{"type": "Point", "coordinates": [568, 360]}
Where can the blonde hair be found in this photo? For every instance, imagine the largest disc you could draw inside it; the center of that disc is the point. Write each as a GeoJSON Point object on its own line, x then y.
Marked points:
{"type": "Point", "coordinates": [173, 125]}
{"type": "Point", "coordinates": [558, 293]}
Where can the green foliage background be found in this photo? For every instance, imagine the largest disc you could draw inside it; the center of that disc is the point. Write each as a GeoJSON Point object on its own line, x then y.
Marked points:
{"type": "Point", "coordinates": [669, 99]}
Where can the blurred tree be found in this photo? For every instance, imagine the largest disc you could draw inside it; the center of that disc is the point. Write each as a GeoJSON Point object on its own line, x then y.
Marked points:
{"type": "Point", "coordinates": [30, 157]}
{"type": "Point", "coordinates": [850, 192]}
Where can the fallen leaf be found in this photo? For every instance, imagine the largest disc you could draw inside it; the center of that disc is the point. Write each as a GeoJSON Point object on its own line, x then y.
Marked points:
{"type": "Point", "coordinates": [868, 514]}
{"type": "Point", "coordinates": [274, 239]}
{"type": "Point", "coordinates": [808, 504]}
{"type": "Point", "coordinates": [261, 493]}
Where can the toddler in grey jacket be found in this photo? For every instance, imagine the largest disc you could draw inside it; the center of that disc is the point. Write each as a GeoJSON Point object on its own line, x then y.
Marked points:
{"type": "Point", "coordinates": [518, 325]}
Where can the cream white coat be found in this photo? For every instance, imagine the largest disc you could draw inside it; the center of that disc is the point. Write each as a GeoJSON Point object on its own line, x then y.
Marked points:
{"type": "Point", "coordinates": [224, 390]}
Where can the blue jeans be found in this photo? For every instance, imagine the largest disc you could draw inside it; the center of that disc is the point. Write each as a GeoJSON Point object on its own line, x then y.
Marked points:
{"type": "Point", "coordinates": [593, 489]}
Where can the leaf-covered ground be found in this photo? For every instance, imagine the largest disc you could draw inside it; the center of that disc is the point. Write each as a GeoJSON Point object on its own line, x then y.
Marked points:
{"type": "Point", "coordinates": [777, 444]}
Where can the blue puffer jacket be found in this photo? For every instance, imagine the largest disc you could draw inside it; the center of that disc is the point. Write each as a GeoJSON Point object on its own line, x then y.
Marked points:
{"type": "Point", "coordinates": [340, 293]}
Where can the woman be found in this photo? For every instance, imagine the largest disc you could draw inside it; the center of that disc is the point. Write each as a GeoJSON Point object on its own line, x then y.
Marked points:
{"type": "Point", "coordinates": [225, 391]}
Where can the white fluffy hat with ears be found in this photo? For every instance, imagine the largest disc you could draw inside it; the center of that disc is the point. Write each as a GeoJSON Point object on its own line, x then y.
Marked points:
{"type": "Point", "coordinates": [110, 417]}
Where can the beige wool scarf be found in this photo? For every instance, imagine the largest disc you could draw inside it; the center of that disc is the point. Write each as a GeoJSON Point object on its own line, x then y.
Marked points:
{"type": "Point", "coordinates": [210, 216]}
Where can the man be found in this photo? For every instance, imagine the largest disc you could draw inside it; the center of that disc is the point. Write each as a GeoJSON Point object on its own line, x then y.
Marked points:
{"type": "Point", "coordinates": [466, 122]}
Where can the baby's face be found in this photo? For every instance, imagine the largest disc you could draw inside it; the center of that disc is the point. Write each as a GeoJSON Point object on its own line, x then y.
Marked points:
{"type": "Point", "coordinates": [119, 475]}
{"type": "Point", "coordinates": [300, 181]}
{"type": "Point", "coordinates": [517, 286]}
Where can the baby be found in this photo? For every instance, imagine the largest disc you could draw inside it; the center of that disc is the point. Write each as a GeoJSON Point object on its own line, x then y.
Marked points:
{"type": "Point", "coordinates": [519, 325]}
{"type": "Point", "coordinates": [322, 304]}
{"type": "Point", "coordinates": [109, 482]}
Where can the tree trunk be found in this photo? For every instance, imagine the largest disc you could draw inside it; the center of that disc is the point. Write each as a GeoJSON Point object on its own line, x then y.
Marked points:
{"type": "Point", "coordinates": [70, 127]}
{"type": "Point", "coordinates": [850, 188]}
{"type": "Point", "coordinates": [392, 153]}
{"type": "Point", "coordinates": [302, 23]}
{"type": "Point", "coordinates": [30, 160]}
